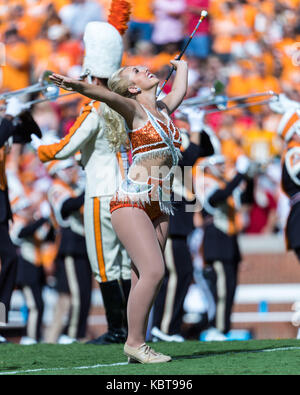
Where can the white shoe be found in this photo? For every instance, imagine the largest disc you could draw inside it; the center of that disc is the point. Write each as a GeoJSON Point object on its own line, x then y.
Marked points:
{"type": "Point", "coordinates": [64, 339]}
{"type": "Point", "coordinates": [159, 335]}
{"type": "Point", "coordinates": [213, 334]}
{"type": "Point", "coordinates": [27, 341]}
{"type": "Point", "coordinates": [177, 338]}
{"type": "Point", "coordinates": [3, 340]}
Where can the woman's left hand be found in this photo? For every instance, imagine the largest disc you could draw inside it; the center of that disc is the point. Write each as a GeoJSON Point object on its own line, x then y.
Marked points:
{"type": "Point", "coordinates": [63, 82]}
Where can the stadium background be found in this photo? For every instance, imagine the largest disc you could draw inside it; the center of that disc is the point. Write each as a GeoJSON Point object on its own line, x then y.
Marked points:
{"type": "Point", "coordinates": [250, 46]}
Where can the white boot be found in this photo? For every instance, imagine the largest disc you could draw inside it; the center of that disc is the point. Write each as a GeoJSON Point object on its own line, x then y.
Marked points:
{"type": "Point", "coordinates": [27, 341]}
{"type": "Point", "coordinates": [213, 334]}
{"type": "Point", "coordinates": [158, 335]}
{"type": "Point", "coordinates": [64, 339]}
{"type": "Point", "coordinates": [3, 340]}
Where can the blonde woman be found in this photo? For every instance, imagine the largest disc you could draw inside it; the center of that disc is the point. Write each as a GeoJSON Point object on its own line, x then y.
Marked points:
{"type": "Point", "coordinates": [141, 206]}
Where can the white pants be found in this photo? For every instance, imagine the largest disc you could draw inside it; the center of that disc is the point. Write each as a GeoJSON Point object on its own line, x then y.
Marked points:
{"type": "Point", "coordinates": [108, 258]}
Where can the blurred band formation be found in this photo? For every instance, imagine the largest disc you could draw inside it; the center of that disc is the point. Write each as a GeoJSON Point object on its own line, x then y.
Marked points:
{"type": "Point", "coordinates": [58, 174]}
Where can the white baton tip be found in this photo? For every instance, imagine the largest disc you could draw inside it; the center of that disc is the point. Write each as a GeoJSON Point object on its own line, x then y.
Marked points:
{"type": "Point", "coordinates": [204, 13]}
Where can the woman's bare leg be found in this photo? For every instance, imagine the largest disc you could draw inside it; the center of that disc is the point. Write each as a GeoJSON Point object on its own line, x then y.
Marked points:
{"type": "Point", "coordinates": [139, 237]}
{"type": "Point", "coordinates": [161, 226]}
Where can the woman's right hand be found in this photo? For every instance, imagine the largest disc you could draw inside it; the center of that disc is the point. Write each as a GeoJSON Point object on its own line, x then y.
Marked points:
{"type": "Point", "coordinates": [178, 63]}
{"type": "Point", "coordinates": [69, 84]}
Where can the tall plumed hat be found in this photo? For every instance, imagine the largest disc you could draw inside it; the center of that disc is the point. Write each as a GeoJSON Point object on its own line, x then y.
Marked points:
{"type": "Point", "coordinates": [103, 42]}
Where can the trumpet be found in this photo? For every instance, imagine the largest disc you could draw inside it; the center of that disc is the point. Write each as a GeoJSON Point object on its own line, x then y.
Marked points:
{"type": "Point", "coordinates": [49, 90]}
{"type": "Point", "coordinates": [221, 102]}
{"type": "Point", "coordinates": [28, 104]}
{"type": "Point", "coordinates": [42, 85]}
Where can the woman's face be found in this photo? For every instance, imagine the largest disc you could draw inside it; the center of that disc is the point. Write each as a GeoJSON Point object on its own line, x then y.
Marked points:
{"type": "Point", "coordinates": [140, 77]}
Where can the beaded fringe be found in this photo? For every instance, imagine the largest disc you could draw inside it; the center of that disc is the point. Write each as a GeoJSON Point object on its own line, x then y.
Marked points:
{"type": "Point", "coordinates": [122, 197]}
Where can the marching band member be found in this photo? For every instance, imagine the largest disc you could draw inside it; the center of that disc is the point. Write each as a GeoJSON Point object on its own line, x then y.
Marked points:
{"type": "Point", "coordinates": [30, 230]}
{"type": "Point", "coordinates": [168, 307]}
{"type": "Point", "coordinates": [103, 168]}
{"type": "Point", "coordinates": [221, 199]}
{"type": "Point", "coordinates": [73, 271]}
{"type": "Point", "coordinates": [142, 203]}
{"type": "Point", "coordinates": [15, 126]}
{"type": "Point", "coordinates": [289, 130]}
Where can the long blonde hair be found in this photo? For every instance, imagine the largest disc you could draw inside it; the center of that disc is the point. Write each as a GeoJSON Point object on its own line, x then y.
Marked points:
{"type": "Point", "coordinates": [119, 84]}
{"type": "Point", "coordinates": [115, 129]}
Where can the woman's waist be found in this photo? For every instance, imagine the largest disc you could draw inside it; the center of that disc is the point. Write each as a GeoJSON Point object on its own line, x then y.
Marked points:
{"type": "Point", "coordinates": [151, 188]}
{"type": "Point", "coordinates": [152, 180]}
{"type": "Point", "coordinates": [156, 157]}
{"type": "Point", "coordinates": [151, 173]}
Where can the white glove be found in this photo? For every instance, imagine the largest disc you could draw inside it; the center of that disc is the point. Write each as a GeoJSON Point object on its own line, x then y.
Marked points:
{"type": "Point", "coordinates": [48, 139]}
{"type": "Point", "coordinates": [35, 142]}
{"type": "Point", "coordinates": [282, 104]}
{"type": "Point", "coordinates": [13, 107]}
{"type": "Point", "coordinates": [45, 209]}
{"type": "Point", "coordinates": [195, 118]}
{"type": "Point", "coordinates": [242, 164]}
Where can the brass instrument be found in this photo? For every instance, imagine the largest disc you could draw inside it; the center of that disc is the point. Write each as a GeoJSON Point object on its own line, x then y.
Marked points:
{"type": "Point", "coordinates": [42, 85]}
{"type": "Point", "coordinates": [222, 102]}
{"type": "Point", "coordinates": [49, 90]}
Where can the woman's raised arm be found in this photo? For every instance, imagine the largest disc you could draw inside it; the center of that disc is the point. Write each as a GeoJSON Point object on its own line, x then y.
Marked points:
{"type": "Point", "coordinates": [126, 107]}
{"type": "Point", "coordinates": [179, 88]}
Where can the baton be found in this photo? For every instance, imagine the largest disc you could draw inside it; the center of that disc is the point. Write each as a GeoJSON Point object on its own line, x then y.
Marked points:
{"type": "Point", "coordinates": [203, 15]}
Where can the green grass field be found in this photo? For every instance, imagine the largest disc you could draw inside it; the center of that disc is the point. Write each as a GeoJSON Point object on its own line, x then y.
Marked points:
{"type": "Point", "coordinates": [255, 357]}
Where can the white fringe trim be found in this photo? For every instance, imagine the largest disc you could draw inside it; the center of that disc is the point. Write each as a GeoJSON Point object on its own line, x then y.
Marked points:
{"type": "Point", "coordinates": [142, 199]}
{"type": "Point", "coordinates": [166, 207]}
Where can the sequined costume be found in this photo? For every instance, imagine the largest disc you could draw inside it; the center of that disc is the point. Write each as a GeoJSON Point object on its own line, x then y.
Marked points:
{"type": "Point", "coordinates": [155, 140]}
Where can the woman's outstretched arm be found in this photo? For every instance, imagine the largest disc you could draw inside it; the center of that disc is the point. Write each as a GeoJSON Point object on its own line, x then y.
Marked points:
{"type": "Point", "coordinates": [124, 106]}
{"type": "Point", "coordinates": [179, 88]}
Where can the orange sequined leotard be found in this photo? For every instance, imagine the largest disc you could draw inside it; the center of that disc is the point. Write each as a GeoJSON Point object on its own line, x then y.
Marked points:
{"type": "Point", "coordinates": [155, 140]}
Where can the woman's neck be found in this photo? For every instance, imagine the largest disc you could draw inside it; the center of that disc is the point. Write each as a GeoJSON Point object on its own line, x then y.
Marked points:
{"type": "Point", "coordinates": [148, 99]}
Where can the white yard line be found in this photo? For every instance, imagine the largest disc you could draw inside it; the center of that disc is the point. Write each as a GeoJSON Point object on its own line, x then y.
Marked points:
{"type": "Point", "coordinates": [280, 349]}
{"type": "Point", "coordinates": [60, 369]}
{"type": "Point", "coordinates": [125, 363]}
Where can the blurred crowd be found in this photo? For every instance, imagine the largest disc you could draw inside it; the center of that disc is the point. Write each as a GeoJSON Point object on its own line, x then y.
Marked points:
{"type": "Point", "coordinates": [243, 46]}
{"type": "Point", "coordinates": [250, 46]}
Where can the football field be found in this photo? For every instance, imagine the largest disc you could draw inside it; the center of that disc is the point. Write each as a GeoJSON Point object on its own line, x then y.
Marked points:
{"type": "Point", "coordinates": [255, 357]}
